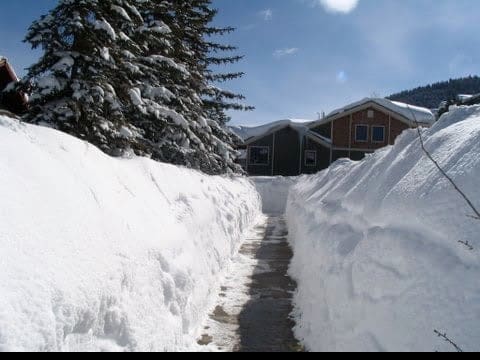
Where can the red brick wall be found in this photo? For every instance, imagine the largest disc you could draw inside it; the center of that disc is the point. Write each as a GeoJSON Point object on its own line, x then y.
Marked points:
{"type": "Point", "coordinates": [344, 133]}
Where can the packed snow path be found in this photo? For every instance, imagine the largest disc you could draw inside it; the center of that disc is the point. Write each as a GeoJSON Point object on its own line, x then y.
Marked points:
{"type": "Point", "coordinates": [255, 303]}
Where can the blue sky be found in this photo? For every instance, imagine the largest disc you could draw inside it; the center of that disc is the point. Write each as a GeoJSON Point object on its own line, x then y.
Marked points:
{"type": "Point", "coordinates": [303, 57]}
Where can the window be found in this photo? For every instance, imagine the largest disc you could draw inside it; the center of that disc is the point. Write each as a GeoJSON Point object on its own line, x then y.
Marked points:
{"type": "Point", "coordinates": [361, 133]}
{"type": "Point", "coordinates": [378, 134]}
{"type": "Point", "coordinates": [371, 114]}
{"type": "Point", "coordinates": [310, 158]}
{"type": "Point", "coordinates": [259, 155]}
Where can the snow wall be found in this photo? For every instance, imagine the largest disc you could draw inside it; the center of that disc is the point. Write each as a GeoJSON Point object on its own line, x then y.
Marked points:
{"type": "Point", "coordinates": [377, 254]}
{"type": "Point", "coordinates": [109, 254]}
{"type": "Point", "coordinates": [274, 193]}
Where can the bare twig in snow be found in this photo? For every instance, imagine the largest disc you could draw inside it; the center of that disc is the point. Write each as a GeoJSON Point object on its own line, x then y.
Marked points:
{"type": "Point", "coordinates": [445, 337]}
{"type": "Point", "coordinates": [444, 173]}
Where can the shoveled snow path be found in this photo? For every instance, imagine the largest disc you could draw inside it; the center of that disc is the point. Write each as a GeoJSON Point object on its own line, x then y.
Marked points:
{"type": "Point", "coordinates": [253, 310]}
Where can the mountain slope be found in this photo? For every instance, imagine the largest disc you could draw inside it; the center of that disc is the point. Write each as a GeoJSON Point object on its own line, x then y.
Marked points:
{"type": "Point", "coordinates": [431, 96]}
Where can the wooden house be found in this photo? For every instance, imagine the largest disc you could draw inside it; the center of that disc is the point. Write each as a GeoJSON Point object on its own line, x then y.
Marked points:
{"type": "Point", "coordinates": [292, 147]}
{"type": "Point", "coordinates": [13, 102]}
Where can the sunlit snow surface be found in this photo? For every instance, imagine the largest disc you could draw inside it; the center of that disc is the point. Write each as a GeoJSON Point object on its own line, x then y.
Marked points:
{"type": "Point", "coordinates": [377, 254]}
{"type": "Point", "coordinates": [103, 254]}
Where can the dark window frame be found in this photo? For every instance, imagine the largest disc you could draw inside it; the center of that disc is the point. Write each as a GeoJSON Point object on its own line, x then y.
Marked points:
{"type": "Point", "coordinates": [316, 158]}
{"type": "Point", "coordinates": [250, 163]}
{"type": "Point", "coordinates": [384, 134]}
{"type": "Point", "coordinates": [356, 133]}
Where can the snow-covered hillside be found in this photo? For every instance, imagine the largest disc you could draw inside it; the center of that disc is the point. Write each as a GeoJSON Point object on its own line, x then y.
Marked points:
{"type": "Point", "coordinates": [109, 254]}
{"type": "Point", "coordinates": [377, 254]}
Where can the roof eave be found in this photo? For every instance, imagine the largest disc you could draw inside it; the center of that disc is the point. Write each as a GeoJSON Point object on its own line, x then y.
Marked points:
{"type": "Point", "coordinates": [364, 106]}
{"type": "Point", "coordinates": [268, 133]}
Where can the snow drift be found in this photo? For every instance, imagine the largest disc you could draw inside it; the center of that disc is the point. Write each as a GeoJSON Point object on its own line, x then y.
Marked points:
{"type": "Point", "coordinates": [274, 193]}
{"type": "Point", "coordinates": [109, 254]}
{"type": "Point", "coordinates": [377, 254]}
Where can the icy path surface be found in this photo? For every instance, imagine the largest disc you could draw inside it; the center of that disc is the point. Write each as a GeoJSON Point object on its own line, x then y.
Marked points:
{"type": "Point", "coordinates": [253, 310]}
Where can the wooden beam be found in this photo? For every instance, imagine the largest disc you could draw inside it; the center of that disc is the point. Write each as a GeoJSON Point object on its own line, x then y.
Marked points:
{"type": "Point", "coordinates": [273, 153]}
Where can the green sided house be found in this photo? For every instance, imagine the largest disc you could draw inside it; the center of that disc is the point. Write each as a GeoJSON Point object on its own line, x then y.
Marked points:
{"type": "Point", "coordinates": [294, 147]}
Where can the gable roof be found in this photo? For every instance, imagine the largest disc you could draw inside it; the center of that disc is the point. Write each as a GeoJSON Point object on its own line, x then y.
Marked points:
{"type": "Point", "coordinates": [407, 113]}
{"type": "Point", "coordinates": [252, 134]}
{"type": "Point", "coordinates": [4, 64]}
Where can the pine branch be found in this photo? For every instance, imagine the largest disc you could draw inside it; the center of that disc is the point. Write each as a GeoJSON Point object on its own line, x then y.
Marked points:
{"type": "Point", "coordinates": [224, 60]}
{"type": "Point", "coordinates": [219, 31]}
{"type": "Point", "coordinates": [225, 77]}
{"type": "Point", "coordinates": [219, 47]}
{"type": "Point", "coordinates": [446, 339]}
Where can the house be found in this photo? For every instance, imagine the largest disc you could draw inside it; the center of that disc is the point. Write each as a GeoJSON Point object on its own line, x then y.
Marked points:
{"type": "Point", "coordinates": [368, 125]}
{"type": "Point", "coordinates": [285, 147]}
{"type": "Point", "coordinates": [292, 147]}
{"type": "Point", "coordinates": [11, 101]}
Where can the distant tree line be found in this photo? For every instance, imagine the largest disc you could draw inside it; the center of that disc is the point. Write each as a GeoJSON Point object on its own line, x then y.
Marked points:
{"type": "Point", "coordinates": [432, 96]}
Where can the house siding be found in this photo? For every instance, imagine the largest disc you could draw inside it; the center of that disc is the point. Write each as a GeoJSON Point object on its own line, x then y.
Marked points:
{"type": "Point", "coordinates": [323, 157]}
{"type": "Point", "coordinates": [344, 130]}
{"type": "Point", "coordinates": [361, 118]}
{"type": "Point", "coordinates": [287, 155]}
{"type": "Point", "coordinates": [324, 130]}
{"type": "Point", "coordinates": [341, 132]}
{"type": "Point", "coordinates": [287, 152]}
{"type": "Point", "coordinates": [339, 154]}
{"type": "Point", "coordinates": [261, 170]}
{"type": "Point", "coordinates": [396, 129]}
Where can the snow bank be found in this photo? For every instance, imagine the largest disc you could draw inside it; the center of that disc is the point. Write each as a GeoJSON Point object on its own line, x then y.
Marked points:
{"type": "Point", "coordinates": [109, 254]}
{"type": "Point", "coordinates": [274, 193]}
{"type": "Point", "coordinates": [377, 254]}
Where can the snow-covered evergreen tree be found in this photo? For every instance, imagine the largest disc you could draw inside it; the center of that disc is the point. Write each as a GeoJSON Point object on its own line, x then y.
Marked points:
{"type": "Point", "coordinates": [134, 74]}
{"type": "Point", "coordinates": [191, 24]}
{"type": "Point", "coordinates": [165, 107]}
{"type": "Point", "coordinates": [79, 86]}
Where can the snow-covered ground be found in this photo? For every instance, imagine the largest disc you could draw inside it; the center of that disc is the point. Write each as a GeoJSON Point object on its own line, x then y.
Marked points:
{"type": "Point", "coordinates": [109, 254]}
{"type": "Point", "coordinates": [377, 254]}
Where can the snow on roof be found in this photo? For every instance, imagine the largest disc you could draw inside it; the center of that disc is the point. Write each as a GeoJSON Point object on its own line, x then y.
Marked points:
{"type": "Point", "coordinates": [464, 97]}
{"type": "Point", "coordinates": [411, 113]}
{"type": "Point", "coordinates": [247, 132]}
{"type": "Point", "coordinates": [467, 99]}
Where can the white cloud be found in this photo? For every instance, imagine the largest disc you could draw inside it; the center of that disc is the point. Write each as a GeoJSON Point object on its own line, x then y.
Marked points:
{"type": "Point", "coordinates": [339, 6]}
{"type": "Point", "coordinates": [285, 52]}
{"type": "Point", "coordinates": [266, 14]}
